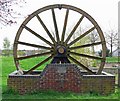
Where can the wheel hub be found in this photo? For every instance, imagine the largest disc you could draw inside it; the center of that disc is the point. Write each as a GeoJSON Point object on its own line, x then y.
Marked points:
{"type": "Point", "coordinates": [61, 50]}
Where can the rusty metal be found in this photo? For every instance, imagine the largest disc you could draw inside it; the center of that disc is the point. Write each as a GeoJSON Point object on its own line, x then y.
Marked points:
{"type": "Point", "coordinates": [65, 51]}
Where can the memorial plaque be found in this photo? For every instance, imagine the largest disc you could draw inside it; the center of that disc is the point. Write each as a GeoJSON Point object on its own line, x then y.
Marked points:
{"type": "Point", "coordinates": [61, 69]}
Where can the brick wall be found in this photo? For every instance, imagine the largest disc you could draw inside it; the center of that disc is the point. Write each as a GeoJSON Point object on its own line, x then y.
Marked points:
{"type": "Point", "coordinates": [62, 77]}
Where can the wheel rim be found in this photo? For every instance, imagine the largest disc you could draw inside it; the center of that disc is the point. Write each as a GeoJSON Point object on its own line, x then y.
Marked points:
{"type": "Point", "coordinates": [65, 47]}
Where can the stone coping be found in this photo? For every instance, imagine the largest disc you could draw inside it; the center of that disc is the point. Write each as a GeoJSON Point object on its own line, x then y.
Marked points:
{"type": "Point", "coordinates": [104, 74]}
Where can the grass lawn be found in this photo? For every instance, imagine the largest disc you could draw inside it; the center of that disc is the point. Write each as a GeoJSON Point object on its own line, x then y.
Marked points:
{"type": "Point", "coordinates": [112, 59]}
{"type": "Point", "coordinates": [8, 66]}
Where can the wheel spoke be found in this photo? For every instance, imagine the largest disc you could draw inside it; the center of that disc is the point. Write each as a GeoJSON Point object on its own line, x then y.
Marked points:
{"type": "Point", "coordinates": [37, 35]}
{"type": "Point", "coordinates": [34, 45]}
{"type": "Point", "coordinates": [81, 36]}
{"type": "Point", "coordinates": [46, 29]}
{"type": "Point", "coordinates": [80, 64]}
{"type": "Point", "coordinates": [65, 24]}
{"type": "Point", "coordinates": [55, 25]}
{"type": "Point", "coordinates": [39, 64]}
{"type": "Point", "coordinates": [101, 67]}
{"type": "Point", "coordinates": [86, 45]}
{"type": "Point", "coordinates": [88, 56]}
{"type": "Point", "coordinates": [32, 56]}
{"type": "Point", "coordinates": [74, 29]}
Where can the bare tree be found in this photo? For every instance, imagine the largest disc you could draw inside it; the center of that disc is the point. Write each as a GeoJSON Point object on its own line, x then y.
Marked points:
{"type": "Point", "coordinates": [112, 40]}
{"type": "Point", "coordinates": [8, 12]}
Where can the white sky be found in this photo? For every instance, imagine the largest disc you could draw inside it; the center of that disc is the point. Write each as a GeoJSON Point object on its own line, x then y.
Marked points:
{"type": "Point", "coordinates": [105, 12]}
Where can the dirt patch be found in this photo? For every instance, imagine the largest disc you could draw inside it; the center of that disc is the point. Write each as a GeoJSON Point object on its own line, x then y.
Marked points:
{"type": "Point", "coordinates": [111, 65]}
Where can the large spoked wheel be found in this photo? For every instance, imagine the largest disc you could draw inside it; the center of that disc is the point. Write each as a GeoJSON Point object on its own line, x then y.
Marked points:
{"type": "Point", "coordinates": [60, 47]}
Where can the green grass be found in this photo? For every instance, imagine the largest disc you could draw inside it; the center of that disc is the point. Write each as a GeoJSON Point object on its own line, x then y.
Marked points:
{"type": "Point", "coordinates": [112, 59]}
{"type": "Point", "coordinates": [29, 63]}
{"type": "Point", "coordinates": [57, 95]}
{"type": "Point", "coordinates": [8, 67]}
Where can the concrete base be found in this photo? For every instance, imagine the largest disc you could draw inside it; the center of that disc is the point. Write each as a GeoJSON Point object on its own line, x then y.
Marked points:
{"type": "Point", "coordinates": [62, 77]}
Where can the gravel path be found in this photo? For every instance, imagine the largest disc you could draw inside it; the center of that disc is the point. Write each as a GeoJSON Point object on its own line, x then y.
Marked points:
{"type": "Point", "coordinates": [112, 65]}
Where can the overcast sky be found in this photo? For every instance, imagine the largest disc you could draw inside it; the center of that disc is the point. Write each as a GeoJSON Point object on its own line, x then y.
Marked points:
{"type": "Point", "coordinates": [105, 12]}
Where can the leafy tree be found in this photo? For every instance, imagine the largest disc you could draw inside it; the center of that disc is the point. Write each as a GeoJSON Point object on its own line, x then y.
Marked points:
{"type": "Point", "coordinates": [107, 53]}
{"type": "Point", "coordinates": [21, 53]}
{"type": "Point", "coordinates": [6, 43]}
{"type": "Point", "coordinates": [84, 60]}
{"type": "Point", "coordinates": [93, 37]}
{"type": "Point", "coordinates": [6, 46]}
{"type": "Point", "coordinates": [87, 62]}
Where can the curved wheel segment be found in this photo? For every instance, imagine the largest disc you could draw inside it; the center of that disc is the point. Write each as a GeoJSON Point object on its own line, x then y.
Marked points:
{"type": "Point", "coordinates": [46, 36]}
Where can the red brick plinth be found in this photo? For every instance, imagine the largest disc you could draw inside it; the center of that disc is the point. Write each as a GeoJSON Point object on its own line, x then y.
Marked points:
{"type": "Point", "coordinates": [62, 77]}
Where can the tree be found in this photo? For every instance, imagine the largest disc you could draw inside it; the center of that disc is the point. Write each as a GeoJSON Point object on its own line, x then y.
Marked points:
{"type": "Point", "coordinates": [6, 46]}
{"type": "Point", "coordinates": [107, 53]}
{"type": "Point", "coordinates": [7, 11]}
{"type": "Point", "coordinates": [84, 60]}
{"type": "Point", "coordinates": [112, 40]}
{"type": "Point", "coordinates": [93, 37]}
{"type": "Point", "coordinates": [87, 62]}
